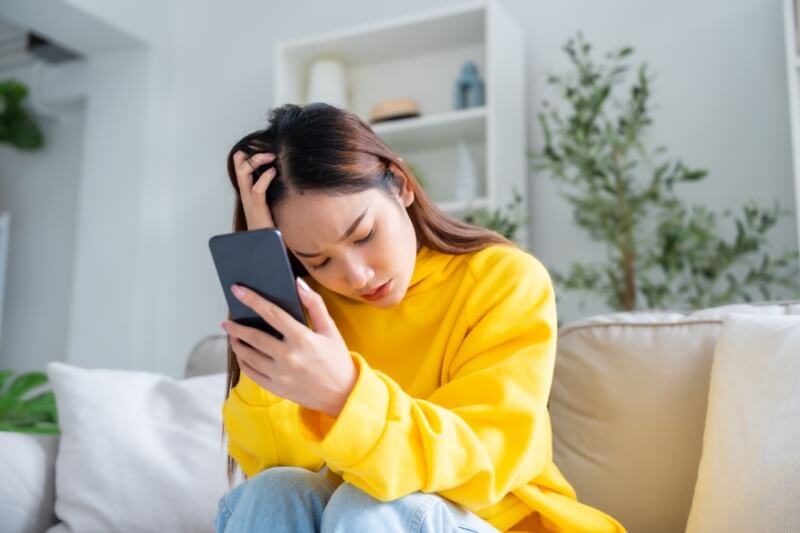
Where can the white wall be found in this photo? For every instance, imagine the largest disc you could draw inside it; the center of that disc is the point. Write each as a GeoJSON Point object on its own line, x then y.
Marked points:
{"type": "Point", "coordinates": [721, 99]}
{"type": "Point", "coordinates": [720, 95]}
{"type": "Point", "coordinates": [39, 189]}
{"type": "Point", "coordinates": [720, 103]}
{"type": "Point", "coordinates": [121, 155]}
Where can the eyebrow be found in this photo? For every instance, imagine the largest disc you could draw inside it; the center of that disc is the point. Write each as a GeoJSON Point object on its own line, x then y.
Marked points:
{"type": "Point", "coordinates": [347, 233]}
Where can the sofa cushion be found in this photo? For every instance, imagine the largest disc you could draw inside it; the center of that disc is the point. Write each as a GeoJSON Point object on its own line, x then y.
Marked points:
{"type": "Point", "coordinates": [208, 356]}
{"type": "Point", "coordinates": [27, 490]}
{"type": "Point", "coordinates": [749, 474]}
{"type": "Point", "coordinates": [138, 451]}
{"type": "Point", "coordinates": [628, 408]}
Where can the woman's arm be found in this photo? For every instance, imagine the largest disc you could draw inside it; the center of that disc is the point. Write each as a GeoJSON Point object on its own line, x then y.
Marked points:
{"type": "Point", "coordinates": [263, 430]}
{"type": "Point", "coordinates": [484, 432]}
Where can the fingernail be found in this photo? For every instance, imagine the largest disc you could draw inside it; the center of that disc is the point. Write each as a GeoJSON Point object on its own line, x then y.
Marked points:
{"type": "Point", "coordinates": [303, 284]}
{"type": "Point", "coordinates": [238, 291]}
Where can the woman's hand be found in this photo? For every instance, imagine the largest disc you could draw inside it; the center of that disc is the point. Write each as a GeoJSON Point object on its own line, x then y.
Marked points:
{"type": "Point", "coordinates": [254, 197]}
{"type": "Point", "coordinates": [312, 368]}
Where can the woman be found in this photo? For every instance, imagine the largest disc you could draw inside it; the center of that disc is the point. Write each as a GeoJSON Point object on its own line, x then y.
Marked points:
{"type": "Point", "coordinates": [417, 400]}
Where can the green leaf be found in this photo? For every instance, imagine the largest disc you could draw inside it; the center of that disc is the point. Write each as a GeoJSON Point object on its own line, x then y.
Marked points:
{"type": "Point", "coordinates": [4, 375]}
{"type": "Point", "coordinates": [19, 386]}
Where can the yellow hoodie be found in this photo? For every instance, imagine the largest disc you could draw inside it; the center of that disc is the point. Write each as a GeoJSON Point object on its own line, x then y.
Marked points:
{"type": "Point", "coordinates": [451, 397]}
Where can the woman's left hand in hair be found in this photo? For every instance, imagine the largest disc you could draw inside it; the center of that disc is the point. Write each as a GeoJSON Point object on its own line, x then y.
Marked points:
{"type": "Point", "coordinates": [311, 367]}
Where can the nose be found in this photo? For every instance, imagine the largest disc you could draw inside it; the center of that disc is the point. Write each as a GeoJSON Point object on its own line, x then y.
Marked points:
{"type": "Point", "coordinates": [358, 275]}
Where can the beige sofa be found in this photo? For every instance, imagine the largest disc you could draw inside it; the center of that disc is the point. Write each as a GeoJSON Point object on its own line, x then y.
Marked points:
{"type": "Point", "coordinates": [628, 408]}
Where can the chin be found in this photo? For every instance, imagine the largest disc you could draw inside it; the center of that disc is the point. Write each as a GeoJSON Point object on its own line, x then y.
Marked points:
{"type": "Point", "coordinates": [390, 300]}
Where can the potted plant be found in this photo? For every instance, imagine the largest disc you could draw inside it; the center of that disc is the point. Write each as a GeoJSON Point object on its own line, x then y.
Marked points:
{"type": "Point", "coordinates": [21, 407]}
{"type": "Point", "coordinates": [659, 251]}
{"type": "Point", "coordinates": [17, 126]}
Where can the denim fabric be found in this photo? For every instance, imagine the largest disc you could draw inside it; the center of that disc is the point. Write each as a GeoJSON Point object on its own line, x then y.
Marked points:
{"type": "Point", "coordinates": [289, 499]}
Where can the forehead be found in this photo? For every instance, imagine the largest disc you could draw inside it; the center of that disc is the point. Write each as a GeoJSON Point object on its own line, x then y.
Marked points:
{"type": "Point", "coordinates": [312, 220]}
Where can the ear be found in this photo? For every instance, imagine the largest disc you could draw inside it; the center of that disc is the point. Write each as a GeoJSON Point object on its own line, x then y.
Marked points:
{"type": "Point", "coordinates": [406, 192]}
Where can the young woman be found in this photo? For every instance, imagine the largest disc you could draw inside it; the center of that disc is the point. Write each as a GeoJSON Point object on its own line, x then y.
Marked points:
{"type": "Point", "coordinates": [417, 401]}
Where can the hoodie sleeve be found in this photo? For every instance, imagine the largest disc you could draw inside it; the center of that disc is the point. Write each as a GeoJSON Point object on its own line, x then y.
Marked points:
{"type": "Point", "coordinates": [263, 430]}
{"type": "Point", "coordinates": [485, 431]}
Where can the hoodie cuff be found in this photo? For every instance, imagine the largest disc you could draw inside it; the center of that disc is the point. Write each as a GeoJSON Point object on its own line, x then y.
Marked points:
{"type": "Point", "coordinates": [251, 393]}
{"type": "Point", "coordinates": [346, 440]}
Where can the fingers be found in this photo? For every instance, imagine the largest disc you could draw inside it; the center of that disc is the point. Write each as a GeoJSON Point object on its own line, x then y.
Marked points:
{"type": "Point", "coordinates": [271, 313]}
{"type": "Point", "coordinates": [320, 318]}
{"type": "Point", "coordinates": [244, 167]}
{"type": "Point", "coordinates": [253, 196]}
{"type": "Point", "coordinates": [251, 372]}
{"type": "Point", "coordinates": [263, 343]}
{"type": "Point", "coordinates": [256, 360]}
{"type": "Point", "coordinates": [244, 177]}
{"type": "Point", "coordinates": [260, 188]}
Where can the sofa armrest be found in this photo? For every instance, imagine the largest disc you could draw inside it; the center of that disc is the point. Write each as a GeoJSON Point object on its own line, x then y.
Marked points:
{"type": "Point", "coordinates": [27, 493]}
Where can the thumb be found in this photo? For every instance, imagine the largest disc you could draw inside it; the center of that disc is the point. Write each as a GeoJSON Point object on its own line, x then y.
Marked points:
{"type": "Point", "coordinates": [321, 321]}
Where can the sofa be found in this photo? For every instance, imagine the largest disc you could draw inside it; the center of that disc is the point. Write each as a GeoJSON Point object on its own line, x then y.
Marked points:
{"type": "Point", "coordinates": [628, 407]}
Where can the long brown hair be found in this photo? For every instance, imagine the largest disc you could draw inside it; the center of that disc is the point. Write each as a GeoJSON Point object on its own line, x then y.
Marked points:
{"type": "Point", "coordinates": [321, 147]}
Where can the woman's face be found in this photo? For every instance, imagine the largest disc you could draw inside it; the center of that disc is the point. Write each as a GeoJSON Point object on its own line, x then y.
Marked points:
{"type": "Point", "coordinates": [353, 243]}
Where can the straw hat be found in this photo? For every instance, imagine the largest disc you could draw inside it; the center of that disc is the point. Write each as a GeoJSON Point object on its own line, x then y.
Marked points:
{"type": "Point", "coordinates": [394, 108]}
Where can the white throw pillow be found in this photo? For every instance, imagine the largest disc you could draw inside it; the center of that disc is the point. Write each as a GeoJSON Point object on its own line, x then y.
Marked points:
{"type": "Point", "coordinates": [139, 452]}
{"type": "Point", "coordinates": [749, 474]}
{"type": "Point", "coordinates": [27, 487]}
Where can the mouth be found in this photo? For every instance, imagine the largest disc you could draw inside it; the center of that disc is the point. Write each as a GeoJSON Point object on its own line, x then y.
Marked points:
{"type": "Point", "coordinates": [378, 292]}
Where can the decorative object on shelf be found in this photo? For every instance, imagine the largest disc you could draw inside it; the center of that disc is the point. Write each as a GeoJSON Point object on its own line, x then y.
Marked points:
{"type": "Point", "coordinates": [469, 91]}
{"type": "Point", "coordinates": [599, 156]}
{"type": "Point", "coordinates": [327, 82]}
{"type": "Point", "coordinates": [17, 126]}
{"type": "Point", "coordinates": [393, 109]}
{"type": "Point", "coordinates": [505, 222]}
{"type": "Point", "coordinates": [20, 410]}
{"type": "Point", "coordinates": [466, 175]}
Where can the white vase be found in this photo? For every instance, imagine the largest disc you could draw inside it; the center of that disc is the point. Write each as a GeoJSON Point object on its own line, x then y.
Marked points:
{"type": "Point", "coordinates": [466, 174]}
{"type": "Point", "coordinates": [327, 83]}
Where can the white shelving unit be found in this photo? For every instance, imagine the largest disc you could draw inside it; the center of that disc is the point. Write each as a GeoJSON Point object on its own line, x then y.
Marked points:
{"type": "Point", "coordinates": [420, 57]}
{"type": "Point", "coordinates": [791, 20]}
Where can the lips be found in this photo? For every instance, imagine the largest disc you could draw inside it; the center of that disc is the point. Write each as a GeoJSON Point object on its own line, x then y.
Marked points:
{"type": "Point", "coordinates": [378, 292]}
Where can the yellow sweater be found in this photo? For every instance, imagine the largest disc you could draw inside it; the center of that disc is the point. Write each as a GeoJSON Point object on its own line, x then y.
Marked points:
{"type": "Point", "coordinates": [451, 397]}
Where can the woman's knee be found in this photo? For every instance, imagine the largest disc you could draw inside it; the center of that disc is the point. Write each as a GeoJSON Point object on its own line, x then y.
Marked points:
{"type": "Point", "coordinates": [280, 482]}
{"type": "Point", "coordinates": [279, 495]}
{"type": "Point", "coordinates": [351, 509]}
{"type": "Point", "coordinates": [287, 478]}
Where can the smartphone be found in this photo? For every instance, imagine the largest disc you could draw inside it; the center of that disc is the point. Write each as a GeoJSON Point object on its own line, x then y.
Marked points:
{"type": "Point", "coordinates": [257, 260]}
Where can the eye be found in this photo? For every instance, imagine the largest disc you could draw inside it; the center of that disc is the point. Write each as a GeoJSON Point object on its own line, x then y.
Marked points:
{"type": "Point", "coordinates": [368, 237]}
{"type": "Point", "coordinates": [315, 267]}
{"type": "Point", "coordinates": [361, 241]}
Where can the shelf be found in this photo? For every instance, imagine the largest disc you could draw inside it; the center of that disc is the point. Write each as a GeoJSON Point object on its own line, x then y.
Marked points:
{"type": "Point", "coordinates": [434, 131]}
{"type": "Point", "coordinates": [420, 57]}
{"type": "Point", "coordinates": [401, 37]}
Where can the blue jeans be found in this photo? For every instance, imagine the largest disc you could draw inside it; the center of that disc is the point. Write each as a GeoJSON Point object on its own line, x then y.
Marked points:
{"type": "Point", "coordinates": [298, 500]}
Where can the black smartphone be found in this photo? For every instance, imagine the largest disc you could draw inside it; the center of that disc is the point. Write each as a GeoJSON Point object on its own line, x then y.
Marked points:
{"type": "Point", "coordinates": [257, 260]}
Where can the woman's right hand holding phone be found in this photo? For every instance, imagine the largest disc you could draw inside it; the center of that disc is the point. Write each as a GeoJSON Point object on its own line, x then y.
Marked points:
{"type": "Point", "coordinates": [254, 196]}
